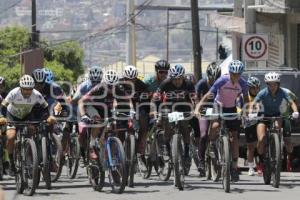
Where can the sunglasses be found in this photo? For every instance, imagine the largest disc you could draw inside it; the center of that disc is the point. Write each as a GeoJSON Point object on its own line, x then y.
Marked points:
{"type": "Point", "coordinates": [162, 71]}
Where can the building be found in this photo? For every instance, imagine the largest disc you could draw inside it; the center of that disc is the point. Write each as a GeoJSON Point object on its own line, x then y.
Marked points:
{"type": "Point", "coordinates": [280, 20]}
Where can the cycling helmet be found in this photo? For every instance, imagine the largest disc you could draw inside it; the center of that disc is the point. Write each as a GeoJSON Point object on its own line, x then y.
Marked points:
{"type": "Point", "coordinates": [130, 72]}
{"type": "Point", "coordinates": [2, 80]}
{"type": "Point", "coordinates": [49, 76]}
{"type": "Point", "coordinates": [236, 67]}
{"type": "Point", "coordinates": [176, 71]}
{"type": "Point", "coordinates": [213, 71]}
{"type": "Point", "coordinates": [253, 82]}
{"type": "Point", "coordinates": [272, 77]}
{"type": "Point", "coordinates": [95, 74]}
{"type": "Point", "coordinates": [111, 77]}
{"type": "Point", "coordinates": [27, 82]}
{"type": "Point", "coordinates": [162, 65]}
{"type": "Point", "coordinates": [39, 75]}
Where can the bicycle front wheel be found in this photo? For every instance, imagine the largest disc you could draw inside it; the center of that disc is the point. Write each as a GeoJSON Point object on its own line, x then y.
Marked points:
{"type": "Point", "coordinates": [56, 157]}
{"type": "Point", "coordinates": [130, 158]}
{"type": "Point", "coordinates": [275, 155]}
{"type": "Point", "coordinates": [177, 155]}
{"type": "Point", "coordinates": [46, 163]}
{"type": "Point", "coordinates": [72, 162]}
{"type": "Point", "coordinates": [30, 169]}
{"type": "Point", "coordinates": [225, 159]}
{"type": "Point", "coordinates": [116, 164]}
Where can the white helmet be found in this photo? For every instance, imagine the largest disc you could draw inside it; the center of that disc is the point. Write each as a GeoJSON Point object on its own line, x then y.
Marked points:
{"type": "Point", "coordinates": [39, 75]}
{"type": "Point", "coordinates": [95, 73]}
{"type": "Point", "coordinates": [130, 72]}
{"type": "Point", "coordinates": [176, 71]}
{"type": "Point", "coordinates": [236, 67]}
{"type": "Point", "coordinates": [27, 82]}
{"type": "Point", "coordinates": [272, 77]}
{"type": "Point", "coordinates": [111, 77]}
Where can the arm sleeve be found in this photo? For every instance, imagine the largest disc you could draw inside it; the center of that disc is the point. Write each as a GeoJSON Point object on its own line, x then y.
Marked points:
{"type": "Point", "coordinates": [217, 85]}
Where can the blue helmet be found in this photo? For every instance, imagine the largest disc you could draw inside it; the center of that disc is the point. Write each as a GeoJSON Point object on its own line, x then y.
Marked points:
{"type": "Point", "coordinates": [176, 71]}
{"type": "Point", "coordinates": [236, 67]}
{"type": "Point", "coordinates": [49, 76]}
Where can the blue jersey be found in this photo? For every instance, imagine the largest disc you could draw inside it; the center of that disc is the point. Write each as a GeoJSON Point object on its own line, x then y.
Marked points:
{"type": "Point", "coordinates": [273, 105]}
{"type": "Point", "coordinates": [83, 89]}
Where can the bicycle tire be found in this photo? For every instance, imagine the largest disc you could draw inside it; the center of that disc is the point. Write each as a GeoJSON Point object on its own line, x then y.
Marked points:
{"type": "Point", "coordinates": [46, 163]}
{"type": "Point", "coordinates": [117, 185]}
{"type": "Point", "coordinates": [32, 160]}
{"type": "Point", "coordinates": [56, 157]}
{"type": "Point", "coordinates": [131, 159]}
{"type": "Point", "coordinates": [275, 159]}
{"type": "Point", "coordinates": [164, 165]}
{"type": "Point", "coordinates": [19, 168]}
{"type": "Point", "coordinates": [1, 159]}
{"type": "Point", "coordinates": [225, 156]}
{"type": "Point", "coordinates": [72, 162]}
{"type": "Point", "coordinates": [177, 157]}
{"type": "Point", "coordinates": [149, 163]}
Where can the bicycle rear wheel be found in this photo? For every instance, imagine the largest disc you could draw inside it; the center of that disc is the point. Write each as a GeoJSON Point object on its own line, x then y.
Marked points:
{"type": "Point", "coordinates": [116, 164]}
{"type": "Point", "coordinates": [225, 159]}
{"type": "Point", "coordinates": [19, 168]}
{"type": "Point", "coordinates": [275, 155]}
{"type": "Point", "coordinates": [148, 158]}
{"type": "Point", "coordinates": [30, 168]}
{"type": "Point", "coordinates": [130, 158]}
{"type": "Point", "coordinates": [177, 155]}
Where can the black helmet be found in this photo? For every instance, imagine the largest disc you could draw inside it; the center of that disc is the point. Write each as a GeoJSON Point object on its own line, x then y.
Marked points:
{"type": "Point", "coordinates": [213, 71]}
{"type": "Point", "coordinates": [162, 65]}
{"type": "Point", "coordinates": [253, 82]}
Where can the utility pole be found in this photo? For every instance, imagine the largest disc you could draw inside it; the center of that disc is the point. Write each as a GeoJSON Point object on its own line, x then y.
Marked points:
{"type": "Point", "coordinates": [168, 16]}
{"type": "Point", "coordinates": [238, 8]}
{"type": "Point", "coordinates": [34, 36]}
{"type": "Point", "coordinates": [130, 34]}
{"type": "Point", "coordinates": [196, 40]}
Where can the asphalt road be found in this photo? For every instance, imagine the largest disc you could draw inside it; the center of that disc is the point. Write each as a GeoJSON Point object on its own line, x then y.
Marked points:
{"type": "Point", "coordinates": [196, 188]}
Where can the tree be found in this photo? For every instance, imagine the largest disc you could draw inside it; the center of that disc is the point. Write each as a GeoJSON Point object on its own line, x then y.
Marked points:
{"type": "Point", "coordinates": [70, 54]}
{"type": "Point", "coordinates": [12, 41]}
{"type": "Point", "coordinates": [60, 72]}
{"type": "Point", "coordinates": [12, 75]}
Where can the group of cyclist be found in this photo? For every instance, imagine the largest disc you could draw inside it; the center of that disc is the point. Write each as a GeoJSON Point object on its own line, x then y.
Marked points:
{"type": "Point", "coordinates": [39, 97]}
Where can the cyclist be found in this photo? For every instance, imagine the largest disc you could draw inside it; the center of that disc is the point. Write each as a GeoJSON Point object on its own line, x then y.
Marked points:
{"type": "Point", "coordinates": [250, 126]}
{"type": "Point", "coordinates": [274, 100]}
{"type": "Point", "coordinates": [287, 129]}
{"type": "Point", "coordinates": [106, 97]}
{"type": "Point", "coordinates": [176, 92]}
{"type": "Point", "coordinates": [161, 69]}
{"type": "Point", "coordinates": [213, 72]}
{"type": "Point", "coordinates": [225, 92]}
{"type": "Point", "coordinates": [18, 106]}
{"type": "Point", "coordinates": [90, 80]}
{"type": "Point", "coordinates": [137, 89]}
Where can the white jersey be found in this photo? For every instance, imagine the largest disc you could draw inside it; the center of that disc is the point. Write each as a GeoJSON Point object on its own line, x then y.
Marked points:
{"type": "Point", "coordinates": [19, 106]}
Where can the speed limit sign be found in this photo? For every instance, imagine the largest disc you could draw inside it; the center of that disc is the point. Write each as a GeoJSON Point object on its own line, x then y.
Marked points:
{"type": "Point", "coordinates": [255, 47]}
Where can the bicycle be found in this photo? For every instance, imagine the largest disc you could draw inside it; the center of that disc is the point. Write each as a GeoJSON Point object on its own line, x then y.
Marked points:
{"type": "Point", "coordinates": [222, 149]}
{"type": "Point", "coordinates": [111, 157]}
{"type": "Point", "coordinates": [25, 158]}
{"type": "Point", "coordinates": [50, 154]}
{"type": "Point", "coordinates": [71, 157]}
{"type": "Point", "coordinates": [273, 153]}
{"type": "Point", "coordinates": [157, 152]}
{"type": "Point", "coordinates": [177, 147]}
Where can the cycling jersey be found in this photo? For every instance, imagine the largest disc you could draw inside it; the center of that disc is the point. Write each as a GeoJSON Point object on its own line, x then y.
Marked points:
{"type": "Point", "coordinates": [183, 94]}
{"type": "Point", "coordinates": [226, 92]}
{"type": "Point", "coordinates": [152, 83]}
{"type": "Point", "coordinates": [102, 100]}
{"type": "Point", "coordinates": [273, 106]}
{"type": "Point", "coordinates": [20, 107]}
{"type": "Point", "coordinates": [83, 89]}
{"type": "Point", "coordinates": [137, 90]}
{"type": "Point", "coordinates": [202, 87]}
